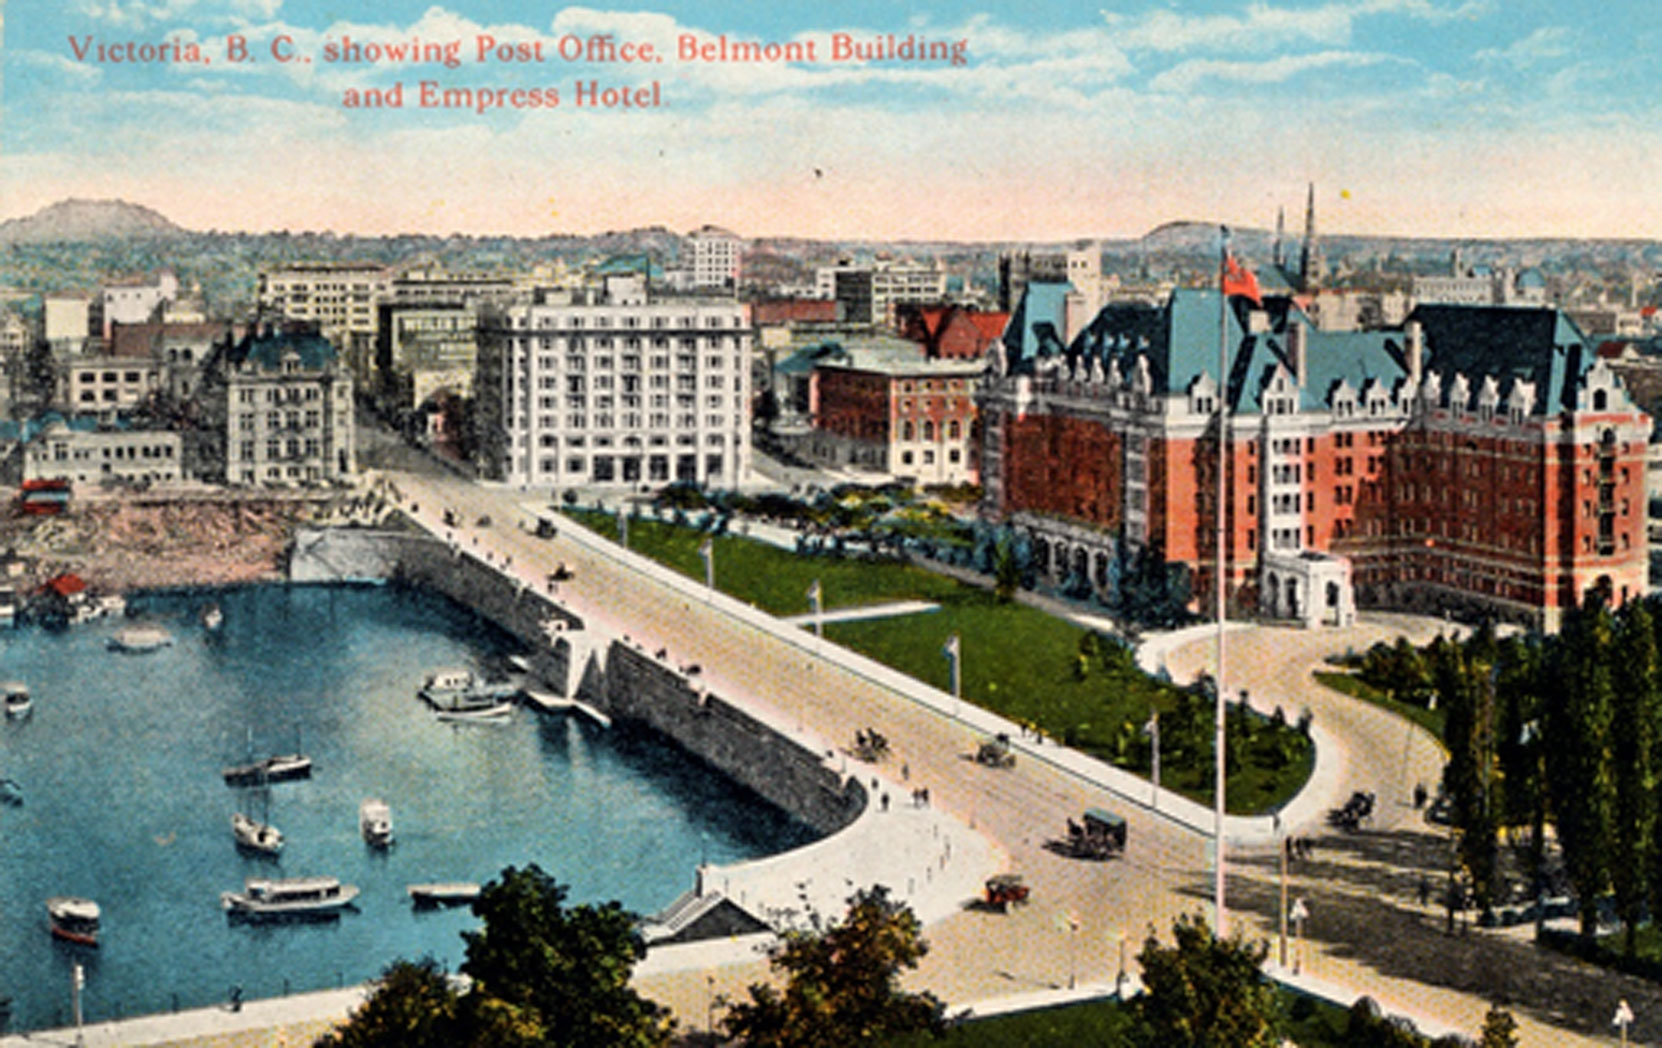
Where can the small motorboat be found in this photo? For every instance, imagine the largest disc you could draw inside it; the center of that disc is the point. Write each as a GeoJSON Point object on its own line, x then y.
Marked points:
{"type": "Point", "coordinates": [73, 919]}
{"type": "Point", "coordinates": [15, 696]}
{"type": "Point", "coordinates": [253, 835]}
{"type": "Point", "coordinates": [289, 897]}
{"type": "Point", "coordinates": [212, 618]}
{"type": "Point", "coordinates": [375, 823]}
{"type": "Point", "coordinates": [140, 639]}
{"type": "Point", "coordinates": [443, 893]}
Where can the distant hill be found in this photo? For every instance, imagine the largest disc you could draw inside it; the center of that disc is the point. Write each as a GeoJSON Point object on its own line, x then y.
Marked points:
{"type": "Point", "coordinates": [87, 220]}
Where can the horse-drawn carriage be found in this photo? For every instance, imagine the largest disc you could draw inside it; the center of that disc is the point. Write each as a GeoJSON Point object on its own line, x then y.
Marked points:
{"type": "Point", "coordinates": [1356, 811]}
{"type": "Point", "coordinates": [995, 752]}
{"type": "Point", "coordinates": [1099, 835]}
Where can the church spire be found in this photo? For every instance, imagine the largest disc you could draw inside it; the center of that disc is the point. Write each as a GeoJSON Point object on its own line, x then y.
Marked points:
{"type": "Point", "coordinates": [1280, 237]}
{"type": "Point", "coordinates": [1311, 262]}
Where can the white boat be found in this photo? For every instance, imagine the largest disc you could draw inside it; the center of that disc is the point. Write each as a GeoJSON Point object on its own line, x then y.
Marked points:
{"type": "Point", "coordinates": [488, 713]}
{"type": "Point", "coordinates": [269, 769]}
{"type": "Point", "coordinates": [91, 609]}
{"type": "Point", "coordinates": [17, 699]}
{"type": "Point", "coordinates": [443, 893]}
{"type": "Point", "coordinates": [74, 919]}
{"type": "Point", "coordinates": [459, 688]}
{"type": "Point", "coordinates": [212, 618]}
{"type": "Point", "coordinates": [140, 638]}
{"type": "Point", "coordinates": [289, 897]}
{"type": "Point", "coordinates": [375, 822]}
{"type": "Point", "coordinates": [256, 836]}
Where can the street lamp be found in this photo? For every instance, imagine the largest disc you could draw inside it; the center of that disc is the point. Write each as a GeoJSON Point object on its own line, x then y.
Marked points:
{"type": "Point", "coordinates": [1623, 1018]}
{"type": "Point", "coordinates": [815, 593]}
{"type": "Point", "coordinates": [77, 982]}
{"type": "Point", "coordinates": [1299, 914]}
{"type": "Point", "coordinates": [707, 550]}
{"type": "Point", "coordinates": [951, 650]}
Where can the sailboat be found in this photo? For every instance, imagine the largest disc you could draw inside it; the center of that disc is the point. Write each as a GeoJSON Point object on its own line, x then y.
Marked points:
{"type": "Point", "coordinates": [258, 835]}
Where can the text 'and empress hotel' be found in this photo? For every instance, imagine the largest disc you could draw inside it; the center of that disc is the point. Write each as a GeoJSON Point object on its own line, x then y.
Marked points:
{"type": "Point", "coordinates": [1476, 458]}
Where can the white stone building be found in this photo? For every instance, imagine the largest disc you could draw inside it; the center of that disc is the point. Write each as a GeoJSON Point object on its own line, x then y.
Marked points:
{"type": "Point", "coordinates": [611, 387]}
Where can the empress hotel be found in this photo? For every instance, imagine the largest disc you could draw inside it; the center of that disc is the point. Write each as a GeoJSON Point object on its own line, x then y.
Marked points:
{"type": "Point", "coordinates": [1474, 458]}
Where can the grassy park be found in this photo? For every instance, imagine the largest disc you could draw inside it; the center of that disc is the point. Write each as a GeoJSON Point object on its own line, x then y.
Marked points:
{"type": "Point", "coordinates": [1030, 667]}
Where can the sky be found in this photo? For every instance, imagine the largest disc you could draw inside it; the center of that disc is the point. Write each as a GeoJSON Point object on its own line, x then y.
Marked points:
{"type": "Point", "coordinates": [1451, 118]}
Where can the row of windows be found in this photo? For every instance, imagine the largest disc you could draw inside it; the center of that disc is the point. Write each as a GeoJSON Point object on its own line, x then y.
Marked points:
{"type": "Point", "coordinates": [954, 431]}
{"type": "Point", "coordinates": [952, 456]}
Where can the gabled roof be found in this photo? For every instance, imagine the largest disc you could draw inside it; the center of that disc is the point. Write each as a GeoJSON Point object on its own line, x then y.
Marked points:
{"type": "Point", "coordinates": [1037, 325]}
{"type": "Point", "coordinates": [1533, 344]}
{"type": "Point", "coordinates": [266, 349]}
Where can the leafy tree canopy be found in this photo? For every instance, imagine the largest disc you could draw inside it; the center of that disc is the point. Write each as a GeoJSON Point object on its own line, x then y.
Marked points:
{"type": "Point", "coordinates": [1204, 991]}
{"type": "Point", "coordinates": [842, 983]}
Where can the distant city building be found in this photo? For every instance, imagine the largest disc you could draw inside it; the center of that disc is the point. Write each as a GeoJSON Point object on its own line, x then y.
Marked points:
{"type": "Point", "coordinates": [613, 387]}
{"type": "Point", "coordinates": [178, 350]}
{"type": "Point", "coordinates": [951, 332]}
{"type": "Point", "coordinates": [68, 321]}
{"type": "Point", "coordinates": [103, 456]}
{"type": "Point", "coordinates": [278, 407]}
{"type": "Point", "coordinates": [1080, 268]}
{"type": "Point", "coordinates": [869, 294]}
{"type": "Point", "coordinates": [137, 301]}
{"type": "Point", "coordinates": [712, 257]}
{"type": "Point", "coordinates": [879, 404]}
{"type": "Point", "coordinates": [421, 349]}
{"type": "Point", "coordinates": [105, 385]}
{"type": "Point", "coordinates": [1477, 458]}
{"type": "Point", "coordinates": [339, 298]}
{"type": "Point", "coordinates": [1481, 286]}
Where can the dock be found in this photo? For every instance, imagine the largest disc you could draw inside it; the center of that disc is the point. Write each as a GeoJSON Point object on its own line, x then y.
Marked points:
{"type": "Point", "coordinates": [550, 703]}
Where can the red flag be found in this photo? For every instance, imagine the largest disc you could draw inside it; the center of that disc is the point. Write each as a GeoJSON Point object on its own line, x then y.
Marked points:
{"type": "Point", "coordinates": [1239, 280]}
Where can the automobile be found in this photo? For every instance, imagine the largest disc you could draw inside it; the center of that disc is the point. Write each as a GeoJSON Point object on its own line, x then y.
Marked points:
{"type": "Point", "coordinates": [1005, 890]}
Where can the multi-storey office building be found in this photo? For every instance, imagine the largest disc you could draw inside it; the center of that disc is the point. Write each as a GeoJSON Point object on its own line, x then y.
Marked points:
{"type": "Point", "coordinates": [339, 298]}
{"type": "Point", "coordinates": [279, 405]}
{"type": "Point", "coordinates": [614, 387]}
{"type": "Point", "coordinates": [1475, 457]}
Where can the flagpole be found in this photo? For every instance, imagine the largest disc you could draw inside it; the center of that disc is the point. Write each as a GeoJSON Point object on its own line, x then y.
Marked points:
{"type": "Point", "coordinates": [1219, 514]}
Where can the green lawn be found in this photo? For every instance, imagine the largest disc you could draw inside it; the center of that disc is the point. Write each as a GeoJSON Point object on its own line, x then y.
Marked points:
{"type": "Point", "coordinates": [1348, 684]}
{"type": "Point", "coordinates": [1015, 660]}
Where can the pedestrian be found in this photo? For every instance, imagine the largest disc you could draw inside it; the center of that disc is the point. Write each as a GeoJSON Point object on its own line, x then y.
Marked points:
{"type": "Point", "coordinates": [1425, 889]}
{"type": "Point", "coordinates": [905, 771]}
{"type": "Point", "coordinates": [236, 997]}
{"type": "Point", "coordinates": [885, 802]}
{"type": "Point", "coordinates": [1419, 795]}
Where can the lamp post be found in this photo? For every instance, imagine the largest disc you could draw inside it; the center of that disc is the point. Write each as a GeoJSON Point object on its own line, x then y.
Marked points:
{"type": "Point", "coordinates": [77, 982]}
{"type": "Point", "coordinates": [815, 595]}
{"type": "Point", "coordinates": [1285, 845]}
{"type": "Point", "coordinates": [952, 651]}
{"type": "Point", "coordinates": [707, 550]}
{"type": "Point", "coordinates": [1300, 914]}
{"type": "Point", "coordinates": [1073, 950]}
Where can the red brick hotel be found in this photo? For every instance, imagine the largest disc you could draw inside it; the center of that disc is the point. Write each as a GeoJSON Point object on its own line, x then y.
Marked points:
{"type": "Point", "coordinates": [1477, 459]}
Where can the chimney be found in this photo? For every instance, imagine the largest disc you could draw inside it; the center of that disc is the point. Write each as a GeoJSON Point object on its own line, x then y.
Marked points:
{"type": "Point", "coordinates": [1414, 349]}
{"type": "Point", "coordinates": [1299, 349]}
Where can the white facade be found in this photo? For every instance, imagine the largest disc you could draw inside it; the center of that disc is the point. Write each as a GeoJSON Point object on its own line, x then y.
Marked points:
{"type": "Point", "coordinates": [103, 456]}
{"type": "Point", "coordinates": [339, 297]}
{"type": "Point", "coordinates": [612, 388]}
{"type": "Point", "coordinates": [136, 302]}
{"type": "Point", "coordinates": [715, 255]}
{"type": "Point", "coordinates": [68, 320]}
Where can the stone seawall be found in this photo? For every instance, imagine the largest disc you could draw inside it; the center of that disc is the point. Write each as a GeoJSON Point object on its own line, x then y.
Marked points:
{"type": "Point", "coordinates": [646, 689]}
{"type": "Point", "coordinates": [625, 682]}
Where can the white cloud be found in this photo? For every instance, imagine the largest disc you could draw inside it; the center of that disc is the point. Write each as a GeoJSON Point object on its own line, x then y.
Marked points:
{"type": "Point", "coordinates": [1264, 26]}
{"type": "Point", "coordinates": [62, 65]}
{"type": "Point", "coordinates": [141, 13]}
{"type": "Point", "coordinates": [1185, 76]}
{"type": "Point", "coordinates": [1544, 43]}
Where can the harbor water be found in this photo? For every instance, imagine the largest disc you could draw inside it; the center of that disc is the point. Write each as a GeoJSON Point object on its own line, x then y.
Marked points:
{"type": "Point", "coordinates": [120, 762]}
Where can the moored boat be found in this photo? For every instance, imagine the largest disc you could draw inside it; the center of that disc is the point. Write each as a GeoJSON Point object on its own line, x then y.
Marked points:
{"type": "Point", "coordinates": [269, 769]}
{"type": "Point", "coordinates": [493, 711]}
{"type": "Point", "coordinates": [459, 688]}
{"type": "Point", "coordinates": [140, 639]}
{"type": "Point", "coordinates": [443, 893]}
{"type": "Point", "coordinates": [16, 699]}
{"type": "Point", "coordinates": [289, 897]}
{"type": "Point", "coordinates": [256, 836]}
{"type": "Point", "coordinates": [212, 617]}
{"type": "Point", "coordinates": [74, 919]}
{"type": "Point", "coordinates": [375, 822]}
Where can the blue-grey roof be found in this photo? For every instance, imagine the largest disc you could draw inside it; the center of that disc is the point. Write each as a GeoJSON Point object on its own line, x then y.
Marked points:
{"type": "Point", "coordinates": [1533, 344]}
{"type": "Point", "coordinates": [1038, 324]}
{"type": "Point", "coordinates": [265, 350]}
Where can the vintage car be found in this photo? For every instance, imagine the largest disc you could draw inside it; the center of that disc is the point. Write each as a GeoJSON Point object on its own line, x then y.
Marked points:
{"type": "Point", "coordinates": [1100, 835]}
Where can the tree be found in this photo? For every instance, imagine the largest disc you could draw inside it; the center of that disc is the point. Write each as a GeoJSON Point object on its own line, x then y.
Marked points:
{"type": "Point", "coordinates": [546, 974]}
{"type": "Point", "coordinates": [1500, 1030]}
{"type": "Point", "coordinates": [1579, 764]}
{"type": "Point", "coordinates": [1006, 571]}
{"type": "Point", "coordinates": [1635, 710]}
{"type": "Point", "coordinates": [842, 983]}
{"type": "Point", "coordinates": [1466, 690]}
{"type": "Point", "coordinates": [1205, 991]}
{"type": "Point", "coordinates": [413, 1006]}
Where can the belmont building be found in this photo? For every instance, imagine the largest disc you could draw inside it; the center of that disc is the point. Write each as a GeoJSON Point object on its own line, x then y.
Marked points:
{"type": "Point", "coordinates": [1475, 459]}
